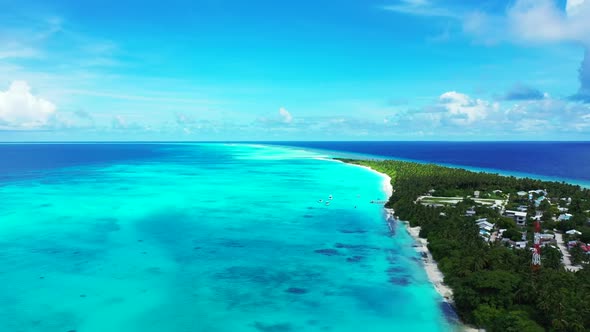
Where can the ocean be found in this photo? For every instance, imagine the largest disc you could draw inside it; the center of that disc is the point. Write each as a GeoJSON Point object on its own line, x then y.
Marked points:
{"type": "Point", "coordinates": [202, 237]}
{"type": "Point", "coordinates": [555, 161]}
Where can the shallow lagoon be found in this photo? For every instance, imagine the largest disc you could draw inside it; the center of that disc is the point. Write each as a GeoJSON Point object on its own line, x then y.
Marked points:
{"type": "Point", "coordinates": [206, 237]}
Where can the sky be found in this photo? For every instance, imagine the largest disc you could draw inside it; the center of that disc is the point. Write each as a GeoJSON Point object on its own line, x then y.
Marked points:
{"type": "Point", "coordinates": [258, 70]}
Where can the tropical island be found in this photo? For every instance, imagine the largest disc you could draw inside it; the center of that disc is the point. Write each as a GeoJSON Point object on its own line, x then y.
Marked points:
{"type": "Point", "coordinates": [484, 230]}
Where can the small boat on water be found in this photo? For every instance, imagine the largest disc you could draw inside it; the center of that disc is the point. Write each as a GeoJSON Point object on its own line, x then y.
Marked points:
{"type": "Point", "coordinates": [321, 200]}
{"type": "Point", "coordinates": [327, 203]}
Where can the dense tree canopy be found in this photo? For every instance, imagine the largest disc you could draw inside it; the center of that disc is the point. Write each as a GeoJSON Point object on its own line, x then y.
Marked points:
{"type": "Point", "coordinates": [494, 286]}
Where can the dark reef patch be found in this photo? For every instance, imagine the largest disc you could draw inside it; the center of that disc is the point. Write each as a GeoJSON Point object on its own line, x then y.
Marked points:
{"type": "Point", "coordinates": [355, 259]}
{"type": "Point", "coordinates": [231, 244]}
{"type": "Point", "coordinates": [352, 231]}
{"type": "Point", "coordinates": [395, 270]}
{"type": "Point", "coordinates": [281, 327]}
{"type": "Point", "coordinates": [296, 290]}
{"type": "Point", "coordinates": [355, 246]}
{"type": "Point", "coordinates": [327, 252]}
{"type": "Point", "coordinates": [400, 281]}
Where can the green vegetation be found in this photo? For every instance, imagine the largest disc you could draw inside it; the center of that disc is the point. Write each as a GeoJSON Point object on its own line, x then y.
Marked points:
{"type": "Point", "coordinates": [494, 286]}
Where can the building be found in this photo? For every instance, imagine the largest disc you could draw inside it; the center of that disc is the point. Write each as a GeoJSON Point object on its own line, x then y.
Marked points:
{"type": "Point", "coordinates": [573, 232]}
{"type": "Point", "coordinates": [518, 216]}
{"type": "Point", "coordinates": [470, 213]}
{"type": "Point", "coordinates": [522, 193]}
{"type": "Point", "coordinates": [538, 192]}
{"type": "Point", "coordinates": [433, 205]}
{"type": "Point", "coordinates": [564, 217]}
{"type": "Point", "coordinates": [547, 239]}
{"type": "Point", "coordinates": [546, 236]}
{"type": "Point", "coordinates": [476, 194]}
{"type": "Point", "coordinates": [484, 225]}
{"type": "Point", "coordinates": [539, 200]}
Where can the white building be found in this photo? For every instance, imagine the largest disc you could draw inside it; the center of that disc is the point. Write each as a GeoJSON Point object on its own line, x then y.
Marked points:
{"type": "Point", "coordinates": [573, 232]}
{"type": "Point", "coordinates": [518, 216]}
{"type": "Point", "coordinates": [485, 226]}
{"type": "Point", "coordinates": [538, 192]}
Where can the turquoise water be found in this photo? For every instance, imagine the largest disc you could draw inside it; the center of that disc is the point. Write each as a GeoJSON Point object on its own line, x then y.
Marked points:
{"type": "Point", "coordinates": [208, 237]}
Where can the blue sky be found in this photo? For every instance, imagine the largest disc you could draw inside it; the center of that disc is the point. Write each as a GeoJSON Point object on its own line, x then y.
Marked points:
{"type": "Point", "coordinates": [295, 70]}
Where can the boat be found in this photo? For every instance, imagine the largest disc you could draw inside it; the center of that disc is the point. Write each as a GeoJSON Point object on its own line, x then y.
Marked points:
{"type": "Point", "coordinates": [327, 203]}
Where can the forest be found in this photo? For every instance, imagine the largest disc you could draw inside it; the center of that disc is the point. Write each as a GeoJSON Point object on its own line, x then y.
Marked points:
{"type": "Point", "coordinates": [494, 286]}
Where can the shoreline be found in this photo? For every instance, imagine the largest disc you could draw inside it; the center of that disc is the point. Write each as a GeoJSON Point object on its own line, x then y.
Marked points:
{"type": "Point", "coordinates": [435, 276]}
{"type": "Point", "coordinates": [433, 273]}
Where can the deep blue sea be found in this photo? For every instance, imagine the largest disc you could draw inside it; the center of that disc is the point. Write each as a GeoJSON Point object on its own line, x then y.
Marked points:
{"type": "Point", "coordinates": [561, 161]}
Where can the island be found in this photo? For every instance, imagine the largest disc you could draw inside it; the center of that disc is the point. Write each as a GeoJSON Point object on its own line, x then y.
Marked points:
{"type": "Point", "coordinates": [485, 233]}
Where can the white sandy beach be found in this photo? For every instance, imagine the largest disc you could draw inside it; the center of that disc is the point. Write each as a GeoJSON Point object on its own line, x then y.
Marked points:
{"type": "Point", "coordinates": [434, 274]}
{"type": "Point", "coordinates": [386, 184]}
{"type": "Point", "coordinates": [432, 271]}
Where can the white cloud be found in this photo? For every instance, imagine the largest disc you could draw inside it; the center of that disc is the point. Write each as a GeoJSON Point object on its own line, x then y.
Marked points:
{"type": "Point", "coordinates": [538, 22]}
{"type": "Point", "coordinates": [285, 115]}
{"type": "Point", "coordinates": [543, 21]}
{"type": "Point", "coordinates": [573, 7]}
{"type": "Point", "coordinates": [464, 110]}
{"type": "Point", "coordinates": [532, 21]}
{"type": "Point", "coordinates": [19, 109]}
{"type": "Point", "coordinates": [419, 8]}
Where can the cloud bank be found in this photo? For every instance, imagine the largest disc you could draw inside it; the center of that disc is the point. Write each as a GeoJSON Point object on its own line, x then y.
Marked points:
{"type": "Point", "coordinates": [21, 110]}
{"type": "Point", "coordinates": [539, 22]}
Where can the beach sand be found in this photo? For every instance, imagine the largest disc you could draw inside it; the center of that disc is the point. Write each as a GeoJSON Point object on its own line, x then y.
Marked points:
{"type": "Point", "coordinates": [433, 272]}
{"type": "Point", "coordinates": [435, 276]}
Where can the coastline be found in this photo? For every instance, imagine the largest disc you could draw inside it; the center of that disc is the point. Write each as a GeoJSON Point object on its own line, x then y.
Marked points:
{"type": "Point", "coordinates": [435, 276]}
